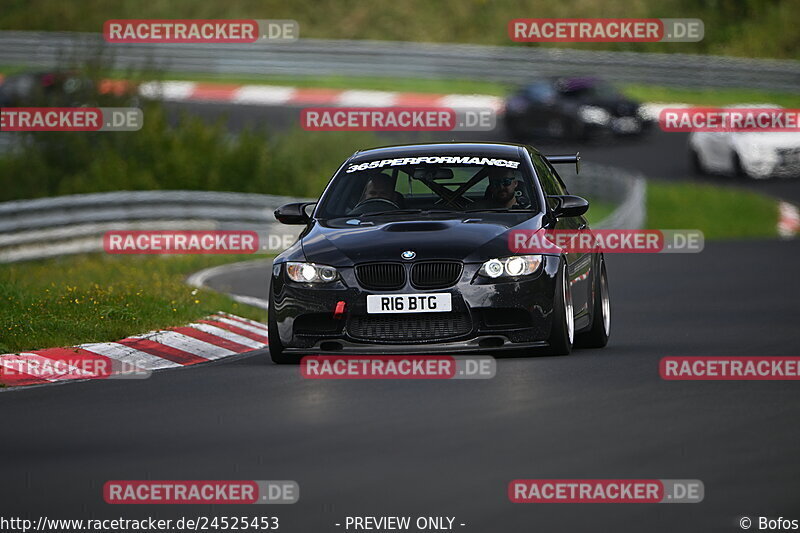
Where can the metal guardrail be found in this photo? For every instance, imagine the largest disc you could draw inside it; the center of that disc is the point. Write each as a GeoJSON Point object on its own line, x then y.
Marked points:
{"type": "Point", "coordinates": [625, 190]}
{"type": "Point", "coordinates": [316, 57]}
{"type": "Point", "coordinates": [48, 227]}
{"type": "Point", "coordinates": [58, 212]}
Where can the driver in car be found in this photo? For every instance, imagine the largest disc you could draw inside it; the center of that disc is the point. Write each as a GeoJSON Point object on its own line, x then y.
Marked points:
{"type": "Point", "coordinates": [379, 186]}
{"type": "Point", "coordinates": [379, 190]}
{"type": "Point", "coordinates": [502, 190]}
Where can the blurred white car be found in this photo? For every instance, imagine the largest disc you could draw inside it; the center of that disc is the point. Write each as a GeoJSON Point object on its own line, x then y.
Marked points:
{"type": "Point", "coordinates": [758, 155]}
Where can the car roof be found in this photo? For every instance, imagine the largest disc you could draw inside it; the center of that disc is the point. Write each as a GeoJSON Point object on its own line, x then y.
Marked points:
{"type": "Point", "coordinates": [569, 82]}
{"type": "Point", "coordinates": [578, 82]}
{"type": "Point", "coordinates": [441, 148]}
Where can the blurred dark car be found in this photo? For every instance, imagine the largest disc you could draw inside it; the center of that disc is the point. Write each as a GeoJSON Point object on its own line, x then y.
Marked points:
{"type": "Point", "coordinates": [572, 108]}
{"type": "Point", "coordinates": [54, 89]}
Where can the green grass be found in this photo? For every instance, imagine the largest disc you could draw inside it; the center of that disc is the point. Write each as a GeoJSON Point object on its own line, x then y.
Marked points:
{"type": "Point", "coordinates": [598, 211]}
{"type": "Point", "coordinates": [758, 28]}
{"type": "Point", "coordinates": [192, 156]}
{"type": "Point", "coordinates": [436, 86]}
{"type": "Point", "coordinates": [373, 83]}
{"type": "Point", "coordinates": [720, 212]}
{"type": "Point", "coordinates": [99, 298]}
{"type": "Point", "coordinates": [643, 93]}
{"type": "Point", "coordinates": [711, 97]}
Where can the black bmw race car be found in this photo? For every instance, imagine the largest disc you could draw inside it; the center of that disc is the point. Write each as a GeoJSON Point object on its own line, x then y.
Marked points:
{"type": "Point", "coordinates": [407, 252]}
{"type": "Point", "coordinates": [573, 108]}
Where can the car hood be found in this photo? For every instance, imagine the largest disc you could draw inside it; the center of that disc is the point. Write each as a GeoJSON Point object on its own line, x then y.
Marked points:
{"type": "Point", "coordinates": [473, 238]}
{"type": "Point", "coordinates": [768, 139]}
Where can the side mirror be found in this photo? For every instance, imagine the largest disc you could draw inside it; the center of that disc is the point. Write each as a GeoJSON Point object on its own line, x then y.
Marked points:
{"type": "Point", "coordinates": [570, 206]}
{"type": "Point", "coordinates": [293, 213]}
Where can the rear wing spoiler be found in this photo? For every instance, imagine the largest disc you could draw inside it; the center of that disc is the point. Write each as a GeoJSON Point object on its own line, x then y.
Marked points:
{"type": "Point", "coordinates": [563, 159]}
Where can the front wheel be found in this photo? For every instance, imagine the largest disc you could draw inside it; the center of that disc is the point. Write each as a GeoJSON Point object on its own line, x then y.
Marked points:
{"type": "Point", "coordinates": [562, 333]}
{"type": "Point", "coordinates": [275, 344]}
{"type": "Point", "coordinates": [597, 336]}
{"type": "Point", "coordinates": [696, 163]}
{"type": "Point", "coordinates": [741, 170]}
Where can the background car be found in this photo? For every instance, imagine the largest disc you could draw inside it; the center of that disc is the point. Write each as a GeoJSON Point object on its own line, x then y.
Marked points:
{"type": "Point", "coordinates": [572, 107]}
{"type": "Point", "coordinates": [406, 255]}
{"type": "Point", "coordinates": [754, 154]}
{"type": "Point", "coordinates": [57, 89]}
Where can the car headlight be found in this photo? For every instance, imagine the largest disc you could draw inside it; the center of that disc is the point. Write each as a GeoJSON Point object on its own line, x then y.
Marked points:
{"type": "Point", "coordinates": [311, 273]}
{"type": "Point", "coordinates": [518, 265]}
{"type": "Point", "coordinates": [594, 114]}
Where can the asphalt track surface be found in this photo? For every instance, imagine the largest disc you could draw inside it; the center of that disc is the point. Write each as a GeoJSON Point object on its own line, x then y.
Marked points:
{"type": "Point", "coordinates": [449, 448]}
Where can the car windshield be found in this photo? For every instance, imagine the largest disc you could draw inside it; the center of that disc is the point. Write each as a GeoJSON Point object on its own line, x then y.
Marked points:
{"type": "Point", "coordinates": [594, 89]}
{"type": "Point", "coordinates": [413, 186]}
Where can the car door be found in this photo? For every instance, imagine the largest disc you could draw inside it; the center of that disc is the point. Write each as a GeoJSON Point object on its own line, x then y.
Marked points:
{"type": "Point", "coordinates": [718, 151]}
{"type": "Point", "coordinates": [579, 264]}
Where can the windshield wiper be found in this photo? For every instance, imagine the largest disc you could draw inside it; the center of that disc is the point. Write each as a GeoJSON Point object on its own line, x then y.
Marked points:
{"type": "Point", "coordinates": [497, 210]}
{"type": "Point", "coordinates": [409, 212]}
{"type": "Point", "coordinates": [396, 211]}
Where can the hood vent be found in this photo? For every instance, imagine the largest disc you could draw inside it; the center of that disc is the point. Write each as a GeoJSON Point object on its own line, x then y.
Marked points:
{"type": "Point", "coordinates": [416, 226]}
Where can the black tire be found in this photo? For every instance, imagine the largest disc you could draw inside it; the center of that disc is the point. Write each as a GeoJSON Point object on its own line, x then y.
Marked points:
{"type": "Point", "coordinates": [275, 344]}
{"type": "Point", "coordinates": [738, 170]}
{"type": "Point", "coordinates": [741, 172]}
{"type": "Point", "coordinates": [561, 333]}
{"type": "Point", "coordinates": [694, 162]}
{"type": "Point", "coordinates": [597, 335]}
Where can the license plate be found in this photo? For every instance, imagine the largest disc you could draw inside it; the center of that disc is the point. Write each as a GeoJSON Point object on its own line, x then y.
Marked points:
{"type": "Point", "coordinates": [409, 303]}
{"type": "Point", "coordinates": [627, 125]}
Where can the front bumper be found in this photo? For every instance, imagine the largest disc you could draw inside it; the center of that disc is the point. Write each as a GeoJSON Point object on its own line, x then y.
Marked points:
{"type": "Point", "coordinates": [486, 315]}
{"type": "Point", "coordinates": [481, 344]}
